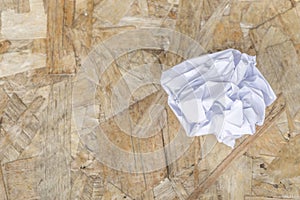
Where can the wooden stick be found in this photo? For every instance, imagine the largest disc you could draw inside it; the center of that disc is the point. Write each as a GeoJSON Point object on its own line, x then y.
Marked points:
{"type": "Point", "coordinates": [273, 113]}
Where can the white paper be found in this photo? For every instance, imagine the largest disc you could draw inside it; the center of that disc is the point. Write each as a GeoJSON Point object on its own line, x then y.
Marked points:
{"type": "Point", "coordinates": [221, 93]}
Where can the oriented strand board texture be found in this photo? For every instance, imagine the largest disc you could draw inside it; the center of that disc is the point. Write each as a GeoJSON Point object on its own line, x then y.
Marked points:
{"type": "Point", "coordinates": [83, 115]}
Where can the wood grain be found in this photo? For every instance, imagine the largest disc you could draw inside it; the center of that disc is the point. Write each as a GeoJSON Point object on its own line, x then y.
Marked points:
{"type": "Point", "coordinates": [186, 20]}
{"type": "Point", "coordinates": [4, 45]}
{"type": "Point", "coordinates": [3, 195]}
{"type": "Point", "coordinates": [56, 155]}
{"type": "Point", "coordinates": [21, 6]}
{"type": "Point", "coordinates": [60, 17]}
{"type": "Point", "coordinates": [19, 172]}
{"type": "Point", "coordinates": [20, 125]}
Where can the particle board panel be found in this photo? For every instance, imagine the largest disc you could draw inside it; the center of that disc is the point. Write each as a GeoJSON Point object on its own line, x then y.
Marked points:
{"type": "Point", "coordinates": [66, 65]}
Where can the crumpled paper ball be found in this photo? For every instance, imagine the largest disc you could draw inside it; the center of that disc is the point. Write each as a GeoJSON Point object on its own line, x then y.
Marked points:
{"type": "Point", "coordinates": [221, 93]}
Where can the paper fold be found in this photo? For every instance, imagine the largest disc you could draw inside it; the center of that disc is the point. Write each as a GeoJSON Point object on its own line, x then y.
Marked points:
{"type": "Point", "coordinates": [221, 93]}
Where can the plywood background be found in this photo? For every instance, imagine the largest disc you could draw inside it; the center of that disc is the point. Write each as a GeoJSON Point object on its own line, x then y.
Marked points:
{"type": "Point", "coordinates": [83, 116]}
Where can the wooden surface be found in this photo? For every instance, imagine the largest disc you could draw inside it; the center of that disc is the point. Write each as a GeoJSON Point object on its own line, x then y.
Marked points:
{"type": "Point", "coordinates": [83, 115]}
